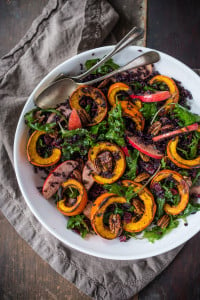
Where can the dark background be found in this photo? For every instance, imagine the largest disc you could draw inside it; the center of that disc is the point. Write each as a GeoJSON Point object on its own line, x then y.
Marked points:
{"type": "Point", "coordinates": [173, 26]}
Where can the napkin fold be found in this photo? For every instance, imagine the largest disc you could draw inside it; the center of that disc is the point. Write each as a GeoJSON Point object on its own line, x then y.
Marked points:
{"type": "Point", "coordinates": [62, 30]}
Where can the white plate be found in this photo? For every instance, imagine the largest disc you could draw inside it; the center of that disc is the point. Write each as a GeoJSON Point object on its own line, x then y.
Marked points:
{"type": "Point", "coordinates": [46, 211]}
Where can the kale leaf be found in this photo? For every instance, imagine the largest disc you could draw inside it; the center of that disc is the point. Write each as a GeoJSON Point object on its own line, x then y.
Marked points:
{"type": "Point", "coordinates": [184, 115]}
{"type": "Point", "coordinates": [100, 130]}
{"type": "Point", "coordinates": [78, 223]}
{"type": "Point", "coordinates": [116, 126]}
{"type": "Point", "coordinates": [32, 122]}
{"type": "Point", "coordinates": [123, 191]}
{"type": "Point", "coordinates": [106, 68]}
{"type": "Point", "coordinates": [72, 144]}
{"type": "Point", "coordinates": [160, 205]}
{"type": "Point", "coordinates": [191, 208]}
{"type": "Point", "coordinates": [156, 233]}
{"type": "Point", "coordinates": [149, 110]}
{"type": "Point", "coordinates": [131, 162]}
{"type": "Point", "coordinates": [193, 147]}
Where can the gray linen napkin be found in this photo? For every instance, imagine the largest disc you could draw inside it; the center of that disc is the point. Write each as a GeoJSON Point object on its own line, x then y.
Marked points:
{"type": "Point", "coordinates": [63, 29]}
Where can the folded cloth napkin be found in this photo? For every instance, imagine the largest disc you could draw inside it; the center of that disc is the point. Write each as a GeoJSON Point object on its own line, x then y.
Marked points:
{"type": "Point", "coordinates": [63, 29]}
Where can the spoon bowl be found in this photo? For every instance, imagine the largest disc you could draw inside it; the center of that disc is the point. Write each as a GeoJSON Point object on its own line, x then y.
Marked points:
{"type": "Point", "coordinates": [56, 93]}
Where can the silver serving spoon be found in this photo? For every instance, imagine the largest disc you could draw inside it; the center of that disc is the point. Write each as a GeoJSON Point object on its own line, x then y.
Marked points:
{"type": "Point", "coordinates": [58, 91]}
{"type": "Point", "coordinates": [133, 35]}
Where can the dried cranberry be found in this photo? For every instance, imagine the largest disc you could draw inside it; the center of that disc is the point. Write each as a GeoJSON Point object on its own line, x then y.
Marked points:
{"type": "Point", "coordinates": [127, 217]}
{"type": "Point", "coordinates": [123, 238]}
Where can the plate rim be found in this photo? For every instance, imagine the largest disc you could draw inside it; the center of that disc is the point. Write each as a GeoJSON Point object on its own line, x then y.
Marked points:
{"type": "Point", "coordinates": [153, 253]}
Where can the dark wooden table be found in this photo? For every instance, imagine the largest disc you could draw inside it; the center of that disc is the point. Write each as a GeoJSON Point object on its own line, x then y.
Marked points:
{"type": "Point", "coordinates": [173, 27]}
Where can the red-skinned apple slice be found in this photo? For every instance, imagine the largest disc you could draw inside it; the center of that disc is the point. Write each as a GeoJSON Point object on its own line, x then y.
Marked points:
{"type": "Point", "coordinates": [87, 177]}
{"type": "Point", "coordinates": [182, 130]}
{"type": "Point", "coordinates": [74, 121]}
{"type": "Point", "coordinates": [156, 97]}
{"type": "Point", "coordinates": [149, 150]}
{"type": "Point", "coordinates": [57, 176]}
{"type": "Point", "coordinates": [125, 150]}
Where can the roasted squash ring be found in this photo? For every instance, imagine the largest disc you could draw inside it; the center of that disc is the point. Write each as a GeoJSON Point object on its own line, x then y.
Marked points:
{"type": "Point", "coordinates": [96, 95]}
{"type": "Point", "coordinates": [97, 213]}
{"type": "Point", "coordinates": [177, 159]}
{"type": "Point", "coordinates": [149, 208]}
{"type": "Point", "coordinates": [182, 188]}
{"type": "Point", "coordinates": [81, 201]}
{"type": "Point", "coordinates": [114, 90]}
{"type": "Point", "coordinates": [35, 158]}
{"type": "Point", "coordinates": [120, 162]}
{"type": "Point", "coordinates": [132, 112]}
{"type": "Point", "coordinates": [173, 89]}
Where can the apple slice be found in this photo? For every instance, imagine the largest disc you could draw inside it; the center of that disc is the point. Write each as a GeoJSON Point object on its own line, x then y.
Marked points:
{"type": "Point", "coordinates": [74, 121]}
{"type": "Point", "coordinates": [125, 150]}
{"type": "Point", "coordinates": [57, 176]}
{"type": "Point", "coordinates": [149, 149]}
{"type": "Point", "coordinates": [87, 177]}
{"type": "Point", "coordinates": [182, 130]}
{"type": "Point", "coordinates": [156, 97]}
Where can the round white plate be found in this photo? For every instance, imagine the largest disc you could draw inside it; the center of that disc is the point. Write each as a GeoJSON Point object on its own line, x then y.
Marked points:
{"type": "Point", "coordinates": [46, 212]}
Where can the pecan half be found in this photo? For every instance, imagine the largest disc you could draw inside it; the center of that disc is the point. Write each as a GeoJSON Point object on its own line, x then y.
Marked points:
{"type": "Point", "coordinates": [163, 222]}
{"type": "Point", "coordinates": [154, 129]}
{"type": "Point", "coordinates": [104, 162]}
{"type": "Point", "coordinates": [167, 127]}
{"type": "Point", "coordinates": [38, 115]}
{"type": "Point", "coordinates": [144, 157]}
{"type": "Point", "coordinates": [115, 223]}
{"type": "Point", "coordinates": [188, 180]}
{"type": "Point", "coordinates": [139, 207]}
{"type": "Point", "coordinates": [185, 185]}
{"type": "Point", "coordinates": [85, 118]}
{"type": "Point", "coordinates": [141, 177]}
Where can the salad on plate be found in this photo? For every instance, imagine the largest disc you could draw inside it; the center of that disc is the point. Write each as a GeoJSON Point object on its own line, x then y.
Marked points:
{"type": "Point", "coordinates": [120, 159]}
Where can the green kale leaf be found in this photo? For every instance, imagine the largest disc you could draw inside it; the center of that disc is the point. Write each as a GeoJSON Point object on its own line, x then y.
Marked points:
{"type": "Point", "coordinates": [81, 145]}
{"type": "Point", "coordinates": [131, 162]}
{"type": "Point", "coordinates": [32, 122]}
{"type": "Point", "coordinates": [106, 68]}
{"type": "Point", "coordinates": [191, 208]}
{"type": "Point", "coordinates": [149, 110]}
{"type": "Point", "coordinates": [116, 126]}
{"type": "Point", "coordinates": [78, 223]}
{"type": "Point", "coordinates": [156, 233]}
{"type": "Point", "coordinates": [184, 115]}
{"type": "Point", "coordinates": [123, 191]}
{"type": "Point", "coordinates": [160, 205]}
{"type": "Point", "coordinates": [100, 130]}
{"type": "Point", "coordinates": [193, 147]}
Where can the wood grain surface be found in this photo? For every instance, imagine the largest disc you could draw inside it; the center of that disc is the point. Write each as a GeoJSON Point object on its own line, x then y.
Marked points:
{"type": "Point", "coordinates": [173, 27]}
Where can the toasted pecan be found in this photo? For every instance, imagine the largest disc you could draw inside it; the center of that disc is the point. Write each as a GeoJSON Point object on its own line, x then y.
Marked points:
{"type": "Point", "coordinates": [188, 180]}
{"type": "Point", "coordinates": [139, 207]}
{"type": "Point", "coordinates": [141, 177]}
{"type": "Point", "coordinates": [144, 157]}
{"type": "Point", "coordinates": [163, 222]}
{"type": "Point", "coordinates": [115, 223]}
{"type": "Point", "coordinates": [155, 128]}
{"type": "Point", "coordinates": [167, 127]}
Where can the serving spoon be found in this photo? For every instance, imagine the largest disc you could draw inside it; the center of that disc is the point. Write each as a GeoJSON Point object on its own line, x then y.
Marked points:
{"type": "Point", "coordinates": [133, 35]}
{"type": "Point", "coordinates": [58, 91]}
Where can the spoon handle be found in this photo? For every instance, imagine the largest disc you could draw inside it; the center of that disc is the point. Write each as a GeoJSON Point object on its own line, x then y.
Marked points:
{"type": "Point", "coordinates": [142, 60]}
{"type": "Point", "coordinates": [133, 35]}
